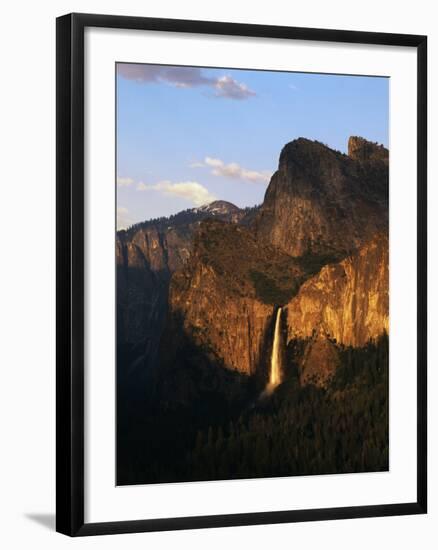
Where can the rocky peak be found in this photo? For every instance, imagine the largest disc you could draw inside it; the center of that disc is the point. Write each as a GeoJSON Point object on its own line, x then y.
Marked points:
{"type": "Point", "coordinates": [222, 210]}
{"type": "Point", "coordinates": [362, 150]}
{"type": "Point", "coordinates": [219, 207]}
{"type": "Point", "coordinates": [321, 200]}
{"type": "Point", "coordinates": [305, 152]}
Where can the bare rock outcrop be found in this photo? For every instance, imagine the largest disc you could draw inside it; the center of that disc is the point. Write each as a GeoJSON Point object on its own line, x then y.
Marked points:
{"type": "Point", "coordinates": [365, 151]}
{"type": "Point", "coordinates": [224, 299]}
{"type": "Point", "coordinates": [146, 256]}
{"type": "Point", "coordinates": [322, 202]}
{"type": "Point", "coordinates": [347, 301]}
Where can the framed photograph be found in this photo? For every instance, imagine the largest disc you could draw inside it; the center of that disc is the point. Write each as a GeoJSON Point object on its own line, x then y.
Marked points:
{"type": "Point", "coordinates": [241, 274]}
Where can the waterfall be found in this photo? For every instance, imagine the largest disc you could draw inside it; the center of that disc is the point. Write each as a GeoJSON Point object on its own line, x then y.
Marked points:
{"type": "Point", "coordinates": [275, 375]}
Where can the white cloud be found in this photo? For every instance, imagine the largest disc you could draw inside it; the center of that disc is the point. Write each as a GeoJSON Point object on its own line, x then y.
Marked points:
{"type": "Point", "coordinates": [293, 87]}
{"type": "Point", "coordinates": [123, 219]}
{"type": "Point", "coordinates": [235, 171]}
{"type": "Point", "coordinates": [191, 191]}
{"type": "Point", "coordinates": [228, 87]}
{"type": "Point", "coordinates": [124, 182]}
{"type": "Point", "coordinates": [213, 162]}
{"type": "Point", "coordinates": [184, 77]}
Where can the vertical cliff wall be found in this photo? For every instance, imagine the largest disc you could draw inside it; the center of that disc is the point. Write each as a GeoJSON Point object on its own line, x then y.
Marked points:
{"type": "Point", "coordinates": [322, 202]}
{"type": "Point", "coordinates": [146, 257]}
{"type": "Point", "coordinates": [318, 246]}
{"type": "Point", "coordinates": [348, 300]}
{"type": "Point", "coordinates": [224, 300]}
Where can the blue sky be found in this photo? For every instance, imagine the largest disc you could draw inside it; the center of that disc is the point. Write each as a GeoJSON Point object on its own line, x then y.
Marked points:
{"type": "Point", "coordinates": [187, 135]}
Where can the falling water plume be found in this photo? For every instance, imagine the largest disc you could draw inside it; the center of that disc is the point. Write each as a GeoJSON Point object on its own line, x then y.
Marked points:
{"type": "Point", "coordinates": [275, 372]}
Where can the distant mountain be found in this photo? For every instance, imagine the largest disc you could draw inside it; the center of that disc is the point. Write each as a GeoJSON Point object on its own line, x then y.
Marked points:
{"type": "Point", "coordinates": [223, 210]}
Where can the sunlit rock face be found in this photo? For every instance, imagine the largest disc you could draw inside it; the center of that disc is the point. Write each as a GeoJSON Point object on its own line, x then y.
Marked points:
{"type": "Point", "coordinates": [322, 202]}
{"type": "Point", "coordinates": [227, 327]}
{"type": "Point", "coordinates": [364, 151]}
{"type": "Point", "coordinates": [146, 257]}
{"type": "Point", "coordinates": [347, 301]}
{"type": "Point", "coordinates": [203, 287]}
{"type": "Point", "coordinates": [317, 246]}
{"type": "Point", "coordinates": [224, 300]}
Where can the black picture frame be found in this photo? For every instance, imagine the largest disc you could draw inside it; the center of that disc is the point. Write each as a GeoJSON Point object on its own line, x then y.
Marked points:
{"type": "Point", "coordinates": [70, 273]}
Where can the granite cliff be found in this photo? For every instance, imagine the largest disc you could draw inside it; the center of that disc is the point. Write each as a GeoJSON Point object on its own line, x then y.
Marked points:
{"type": "Point", "coordinates": [225, 296]}
{"type": "Point", "coordinates": [318, 246]}
{"type": "Point", "coordinates": [211, 278]}
{"type": "Point", "coordinates": [198, 299]}
{"type": "Point", "coordinates": [322, 202]}
{"type": "Point", "coordinates": [347, 301]}
{"type": "Point", "coordinates": [146, 256]}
